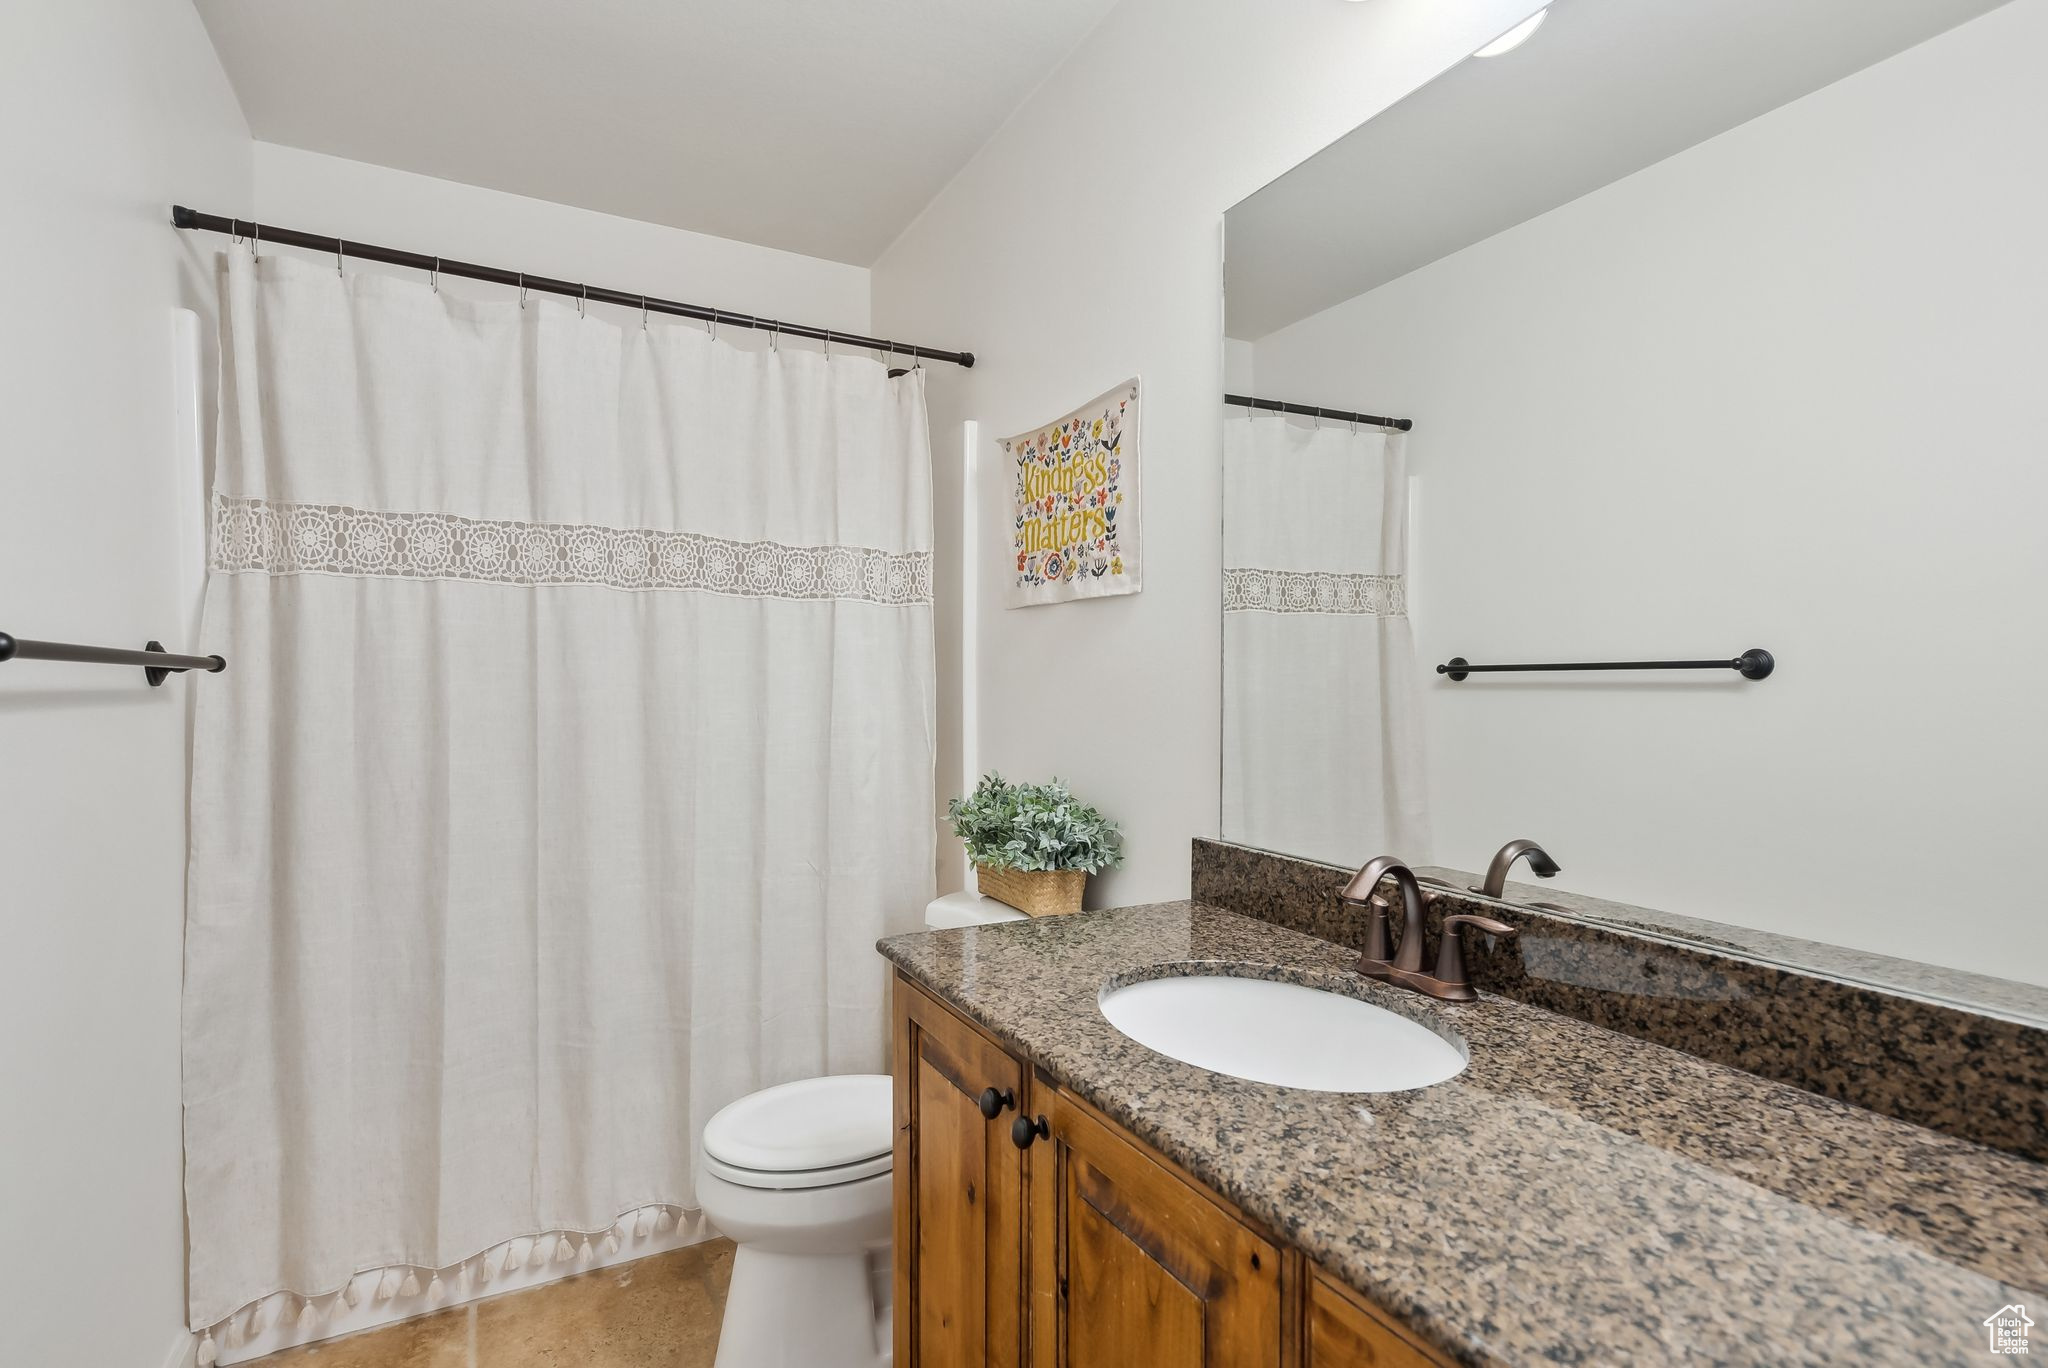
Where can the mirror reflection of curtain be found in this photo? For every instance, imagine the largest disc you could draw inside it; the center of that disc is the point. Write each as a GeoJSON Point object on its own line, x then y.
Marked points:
{"type": "Point", "coordinates": [576, 748]}
{"type": "Point", "coordinates": [1322, 727]}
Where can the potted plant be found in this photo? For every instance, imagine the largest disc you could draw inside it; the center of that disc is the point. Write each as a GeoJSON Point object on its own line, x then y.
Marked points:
{"type": "Point", "coordinates": [1034, 845]}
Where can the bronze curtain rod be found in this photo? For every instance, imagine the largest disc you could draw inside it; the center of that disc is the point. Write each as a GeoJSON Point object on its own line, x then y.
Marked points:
{"type": "Point", "coordinates": [155, 661]}
{"type": "Point", "coordinates": [342, 248]}
{"type": "Point", "coordinates": [1310, 411]}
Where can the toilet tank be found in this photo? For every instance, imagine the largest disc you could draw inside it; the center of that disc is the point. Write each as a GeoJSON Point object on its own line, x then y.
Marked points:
{"type": "Point", "coordinates": [968, 909]}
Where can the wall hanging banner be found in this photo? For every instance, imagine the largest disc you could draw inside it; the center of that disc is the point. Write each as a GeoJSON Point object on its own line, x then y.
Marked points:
{"type": "Point", "coordinates": [1074, 503]}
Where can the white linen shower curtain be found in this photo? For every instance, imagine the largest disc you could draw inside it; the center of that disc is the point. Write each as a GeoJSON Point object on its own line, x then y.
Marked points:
{"type": "Point", "coordinates": [1322, 730]}
{"type": "Point", "coordinates": [575, 746]}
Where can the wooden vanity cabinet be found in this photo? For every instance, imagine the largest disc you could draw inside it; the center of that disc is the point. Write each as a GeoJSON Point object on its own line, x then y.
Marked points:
{"type": "Point", "coordinates": [959, 1192]}
{"type": "Point", "coordinates": [1084, 1248]}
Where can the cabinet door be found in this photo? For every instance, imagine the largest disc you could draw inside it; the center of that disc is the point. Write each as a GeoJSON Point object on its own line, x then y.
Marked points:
{"type": "Point", "coordinates": [959, 1193]}
{"type": "Point", "coordinates": [1131, 1265]}
{"type": "Point", "coordinates": [1343, 1332]}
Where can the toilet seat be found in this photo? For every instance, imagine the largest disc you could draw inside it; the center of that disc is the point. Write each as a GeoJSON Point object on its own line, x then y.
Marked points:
{"type": "Point", "coordinates": [813, 1133]}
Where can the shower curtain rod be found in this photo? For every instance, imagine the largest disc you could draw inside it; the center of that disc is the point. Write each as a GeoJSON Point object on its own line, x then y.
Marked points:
{"type": "Point", "coordinates": [1310, 411]}
{"type": "Point", "coordinates": [343, 248]}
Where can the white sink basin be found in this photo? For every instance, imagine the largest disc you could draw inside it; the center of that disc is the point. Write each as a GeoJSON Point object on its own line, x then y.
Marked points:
{"type": "Point", "coordinates": [1282, 1033]}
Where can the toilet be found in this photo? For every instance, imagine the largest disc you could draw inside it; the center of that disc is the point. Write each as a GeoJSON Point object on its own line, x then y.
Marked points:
{"type": "Point", "coordinates": [797, 1176]}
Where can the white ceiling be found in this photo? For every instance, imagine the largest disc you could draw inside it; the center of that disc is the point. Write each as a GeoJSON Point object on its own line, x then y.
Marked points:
{"type": "Point", "coordinates": [1603, 89]}
{"type": "Point", "coordinates": [817, 126]}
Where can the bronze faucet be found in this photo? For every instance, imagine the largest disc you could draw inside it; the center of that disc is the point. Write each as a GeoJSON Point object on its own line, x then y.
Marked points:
{"type": "Point", "coordinates": [1405, 966]}
{"type": "Point", "coordinates": [1364, 888]}
{"type": "Point", "coordinates": [1540, 864]}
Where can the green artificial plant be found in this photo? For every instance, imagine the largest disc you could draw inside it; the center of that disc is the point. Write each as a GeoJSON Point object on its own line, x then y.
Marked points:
{"type": "Point", "coordinates": [1033, 827]}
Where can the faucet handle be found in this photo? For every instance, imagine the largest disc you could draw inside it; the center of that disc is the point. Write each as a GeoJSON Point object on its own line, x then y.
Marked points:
{"type": "Point", "coordinates": [1450, 954]}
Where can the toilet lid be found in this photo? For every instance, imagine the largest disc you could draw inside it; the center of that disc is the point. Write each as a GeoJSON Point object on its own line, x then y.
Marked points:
{"type": "Point", "coordinates": [813, 1123]}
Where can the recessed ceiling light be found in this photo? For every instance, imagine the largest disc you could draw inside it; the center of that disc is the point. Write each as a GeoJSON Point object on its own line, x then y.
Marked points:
{"type": "Point", "coordinates": [1515, 36]}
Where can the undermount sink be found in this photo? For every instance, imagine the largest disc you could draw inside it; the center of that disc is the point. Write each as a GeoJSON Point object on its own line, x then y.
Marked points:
{"type": "Point", "coordinates": [1281, 1033]}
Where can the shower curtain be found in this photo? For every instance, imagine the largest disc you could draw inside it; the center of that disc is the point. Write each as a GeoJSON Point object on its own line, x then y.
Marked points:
{"type": "Point", "coordinates": [1322, 733]}
{"type": "Point", "coordinates": [575, 746]}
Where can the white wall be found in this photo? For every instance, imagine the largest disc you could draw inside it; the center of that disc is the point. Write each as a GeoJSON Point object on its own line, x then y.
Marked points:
{"type": "Point", "coordinates": [109, 111]}
{"type": "Point", "coordinates": [334, 196]}
{"type": "Point", "coordinates": [1169, 113]}
{"type": "Point", "coordinates": [1240, 362]}
{"type": "Point", "coordinates": [1781, 390]}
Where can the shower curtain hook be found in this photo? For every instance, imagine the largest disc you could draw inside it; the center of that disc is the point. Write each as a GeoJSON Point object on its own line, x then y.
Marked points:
{"type": "Point", "coordinates": [583, 301]}
{"type": "Point", "coordinates": [522, 289]}
{"type": "Point", "coordinates": [339, 248]}
{"type": "Point", "coordinates": [643, 313]}
{"type": "Point", "coordinates": [828, 344]}
{"type": "Point", "coordinates": [775, 338]}
{"type": "Point", "coordinates": [256, 243]}
{"type": "Point", "coordinates": [434, 276]}
{"type": "Point", "coordinates": [711, 326]}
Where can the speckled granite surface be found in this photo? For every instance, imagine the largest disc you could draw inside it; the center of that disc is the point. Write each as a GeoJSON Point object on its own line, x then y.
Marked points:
{"type": "Point", "coordinates": [1977, 993]}
{"type": "Point", "coordinates": [1966, 1073]}
{"type": "Point", "coordinates": [1575, 1196]}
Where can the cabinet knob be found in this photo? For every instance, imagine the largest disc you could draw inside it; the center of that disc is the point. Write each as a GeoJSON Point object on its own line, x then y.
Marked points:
{"type": "Point", "coordinates": [1024, 1130]}
{"type": "Point", "coordinates": [994, 1104]}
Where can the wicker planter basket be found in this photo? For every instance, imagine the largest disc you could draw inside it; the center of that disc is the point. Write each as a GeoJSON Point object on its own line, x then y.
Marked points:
{"type": "Point", "coordinates": [1034, 892]}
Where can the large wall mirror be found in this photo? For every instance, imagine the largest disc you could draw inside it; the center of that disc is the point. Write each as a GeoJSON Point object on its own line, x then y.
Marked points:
{"type": "Point", "coordinates": [1720, 325]}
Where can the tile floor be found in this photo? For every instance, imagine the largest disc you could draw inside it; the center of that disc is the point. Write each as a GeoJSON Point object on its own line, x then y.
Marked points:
{"type": "Point", "coordinates": [657, 1312]}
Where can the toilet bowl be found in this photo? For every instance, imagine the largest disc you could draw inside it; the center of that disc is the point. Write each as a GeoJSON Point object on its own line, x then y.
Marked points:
{"type": "Point", "coordinates": [797, 1177]}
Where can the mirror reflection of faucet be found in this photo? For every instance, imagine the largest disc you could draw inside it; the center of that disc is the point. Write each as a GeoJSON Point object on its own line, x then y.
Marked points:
{"type": "Point", "coordinates": [1540, 864]}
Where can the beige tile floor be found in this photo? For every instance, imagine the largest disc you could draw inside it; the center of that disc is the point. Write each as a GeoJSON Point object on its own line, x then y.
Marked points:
{"type": "Point", "coordinates": [657, 1312]}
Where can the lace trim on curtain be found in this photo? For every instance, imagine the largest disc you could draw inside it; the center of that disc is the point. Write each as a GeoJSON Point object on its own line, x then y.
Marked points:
{"type": "Point", "coordinates": [1313, 591]}
{"type": "Point", "coordinates": [311, 1315]}
{"type": "Point", "coordinates": [292, 539]}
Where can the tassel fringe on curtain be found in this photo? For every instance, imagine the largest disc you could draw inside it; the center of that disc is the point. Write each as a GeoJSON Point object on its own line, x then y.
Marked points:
{"type": "Point", "coordinates": [563, 1250]}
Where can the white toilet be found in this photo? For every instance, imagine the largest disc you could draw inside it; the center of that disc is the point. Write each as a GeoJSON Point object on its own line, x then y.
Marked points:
{"type": "Point", "coordinates": [797, 1176]}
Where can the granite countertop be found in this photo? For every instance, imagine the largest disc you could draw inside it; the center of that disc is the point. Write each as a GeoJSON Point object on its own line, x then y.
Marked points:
{"type": "Point", "coordinates": [1574, 1196]}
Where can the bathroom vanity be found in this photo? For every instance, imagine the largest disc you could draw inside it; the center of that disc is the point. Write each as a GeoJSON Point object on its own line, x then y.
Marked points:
{"type": "Point", "coordinates": [1067, 1196]}
{"type": "Point", "coordinates": [1031, 1228]}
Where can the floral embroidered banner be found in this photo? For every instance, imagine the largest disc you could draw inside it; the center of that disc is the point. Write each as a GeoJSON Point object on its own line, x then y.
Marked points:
{"type": "Point", "coordinates": [1074, 503]}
